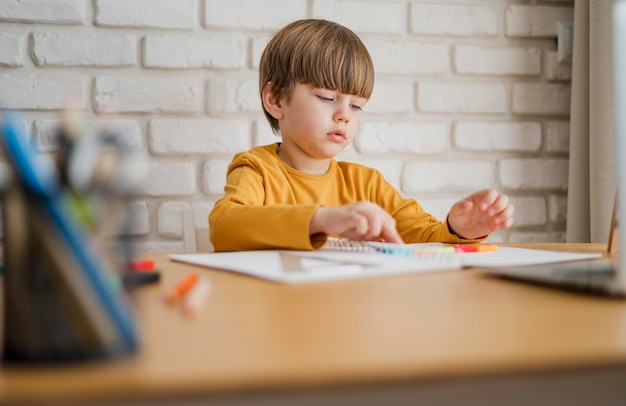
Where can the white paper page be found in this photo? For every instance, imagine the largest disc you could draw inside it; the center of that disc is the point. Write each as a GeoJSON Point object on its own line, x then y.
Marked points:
{"type": "Point", "coordinates": [512, 256]}
{"type": "Point", "coordinates": [317, 265]}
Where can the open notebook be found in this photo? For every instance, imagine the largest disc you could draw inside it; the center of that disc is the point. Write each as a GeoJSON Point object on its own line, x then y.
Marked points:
{"type": "Point", "coordinates": [291, 266]}
{"type": "Point", "coordinates": [606, 276]}
{"type": "Point", "coordinates": [344, 259]}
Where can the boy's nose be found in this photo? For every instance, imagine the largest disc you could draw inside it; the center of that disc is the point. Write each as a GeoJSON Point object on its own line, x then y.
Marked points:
{"type": "Point", "coordinates": [342, 114]}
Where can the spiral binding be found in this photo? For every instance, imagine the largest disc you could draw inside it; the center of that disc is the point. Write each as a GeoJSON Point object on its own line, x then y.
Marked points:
{"type": "Point", "coordinates": [345, 244]}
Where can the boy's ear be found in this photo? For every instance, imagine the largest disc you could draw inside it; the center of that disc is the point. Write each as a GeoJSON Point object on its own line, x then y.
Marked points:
{"type": "Point", "coordinates": [271, 103]}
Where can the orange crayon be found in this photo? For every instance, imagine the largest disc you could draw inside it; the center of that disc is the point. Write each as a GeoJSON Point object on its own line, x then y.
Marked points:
{"type": "Point", "coordinates": [486, 248]}
{"type": "Point", "coordinates": [180, 289]}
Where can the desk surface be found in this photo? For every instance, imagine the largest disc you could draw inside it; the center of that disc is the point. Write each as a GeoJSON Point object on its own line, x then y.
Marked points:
{"type": "Point", "coordinates": [255, 334]}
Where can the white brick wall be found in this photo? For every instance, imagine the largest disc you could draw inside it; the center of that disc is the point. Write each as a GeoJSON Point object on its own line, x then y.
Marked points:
{"type": "Point", "coordinates": [468, 95]}
{"type": "Point", "coordinates": [461, 97]}
{"type": "Point", "coordinates": [140, 13]}
{"type": "Point", "coordinates": [84, 50]}
{"type": "Point", "coordinates": [49, 11]}
{"type": "Point", "coordinates": [220, 51]}
{"type": "Point", "coordinates": [11, 49]}
{"type": "Point", "coordinates": [450, 19]}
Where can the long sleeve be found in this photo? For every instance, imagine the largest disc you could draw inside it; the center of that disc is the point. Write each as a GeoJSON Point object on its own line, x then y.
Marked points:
{"type": "Point", "coordinates": [260, 208]}
{"type": "Point", "coordinates": [269, 205]}
{"type": "Point", "coordinates": [241, 220]}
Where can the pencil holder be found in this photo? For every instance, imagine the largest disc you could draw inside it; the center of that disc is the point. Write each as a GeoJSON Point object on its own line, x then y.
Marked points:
{"type": "Point", "coordinates": [62, 298]}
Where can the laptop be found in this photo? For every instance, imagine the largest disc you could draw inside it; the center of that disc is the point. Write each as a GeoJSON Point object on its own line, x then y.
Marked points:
{"type": "Point", "coordinates": [601, 276]}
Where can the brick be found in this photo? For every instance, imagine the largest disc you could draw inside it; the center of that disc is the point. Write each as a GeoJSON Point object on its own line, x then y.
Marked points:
{"type": "Point", "coordinates": [443, 19]}
{"type": "Point", "coordinates": [154, 13]}
{"type": "Point", "coordinates": [43, 11]}
{"type": "Point", "coordinates": [405, 57]}
{"type": "Point", "coordinates": [391, 97]}
{"type": "Point", "coordinates": [253, 14]}
{"type": "Point", "coordinates": [170, 178]}
{"type": "Point", "coordinates": [199, 136]}
{"type": "Point", "coordinates": [541, 98]}
{"type": "Point", "coordinates": [557, 136]}
{"type": "Point", "coordinates": [149, 95]}
{"type": "Point", "coordinates": [139, 219]}
{"type": "Point", "coordinates": [416, 138]}
{"type": "Point", "coordinates": [169, 219]}
{"type": "Point", "coordinates": [535, 21]}
{"type": "Point", "coordinates": [451, 176]}
{"type": "Point", "coordinates": [11, 49]}
{"type": "Point", "coordinates": [383, 17]}
{"type": "Point", "coordinates": [537, 236]}
{"type": "Point", "coordinates": [529, 210]}
{"type": "Point", "coordinates": [534, 173]}
{"type": "Point", "coordinates": [84, 50]}
{"type": "Point", "coordinates": [390, 168]}
{"type": "Point", "coordinates": [43, 92]}
{"type": "Point", "coordinates": [214, 175]}
{"type": "Point", "coordinates": [478, 60]}
{"type": "Point", "coordinates": [457, 97]}
{"type": "Point", "coordinates": [500, 136]}
{"type": "Point", "coordinates": [233, 96]}
{"type": "Point", "coordinates": [556, 71]}
{"type": "Point", "coordinates": [216, 52]}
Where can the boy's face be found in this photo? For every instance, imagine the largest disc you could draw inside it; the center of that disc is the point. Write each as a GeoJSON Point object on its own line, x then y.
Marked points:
{"type": "Point", "coordinates": [319, 123]}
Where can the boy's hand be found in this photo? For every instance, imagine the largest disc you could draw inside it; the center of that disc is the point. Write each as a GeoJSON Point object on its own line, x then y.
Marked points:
{"type": "Point", "coordinates": [363, 221]}
{"type": "Point", "coordinates": [480, 213]}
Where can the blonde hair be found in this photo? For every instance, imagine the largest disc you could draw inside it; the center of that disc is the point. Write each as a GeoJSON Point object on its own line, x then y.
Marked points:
{"type": "Point", "coordinates": [315, 52]}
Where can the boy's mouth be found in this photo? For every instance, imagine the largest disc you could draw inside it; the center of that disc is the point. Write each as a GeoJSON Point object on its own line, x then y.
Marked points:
{"type": "Point", "coordinates": [337, 135]}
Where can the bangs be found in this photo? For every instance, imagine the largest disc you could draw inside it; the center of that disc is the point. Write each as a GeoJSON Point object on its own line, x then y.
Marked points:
{"type": "Point", "coordinates": [345, 66]}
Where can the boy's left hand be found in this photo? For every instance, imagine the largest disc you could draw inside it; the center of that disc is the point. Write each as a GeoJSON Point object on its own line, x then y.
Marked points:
{"type": "Point", "coordinates": [480, 214]}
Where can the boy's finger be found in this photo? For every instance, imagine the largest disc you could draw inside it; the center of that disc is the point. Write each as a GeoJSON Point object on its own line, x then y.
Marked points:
{"type": "Point", "coordinates": [501, 204]}
{"type": "Point", "coordinates": [390, 233]}
{"type": "Point", "coordinates": [487, 198]}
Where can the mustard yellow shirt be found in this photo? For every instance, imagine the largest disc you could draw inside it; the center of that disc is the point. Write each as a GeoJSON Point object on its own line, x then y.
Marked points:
{"type": "Point", "coordinates": [269, 205]}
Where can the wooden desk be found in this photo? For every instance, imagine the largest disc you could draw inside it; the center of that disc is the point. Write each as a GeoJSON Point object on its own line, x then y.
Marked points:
{"type": "Point", "coordinates": [446, 338]}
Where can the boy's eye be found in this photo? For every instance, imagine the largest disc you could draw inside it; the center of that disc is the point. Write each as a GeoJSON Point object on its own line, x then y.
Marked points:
{"type": "Point", "coordinates": [326, 99]}
{"type": "Point", "coordinates": [356, 107]}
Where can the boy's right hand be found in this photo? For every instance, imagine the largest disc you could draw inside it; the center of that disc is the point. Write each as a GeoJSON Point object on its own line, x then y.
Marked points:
{"type": "Point", "coordinates": [364, 221]}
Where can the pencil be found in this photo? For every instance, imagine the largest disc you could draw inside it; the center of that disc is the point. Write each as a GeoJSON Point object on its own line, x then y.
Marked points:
{"type": "Point", "coordinates": [181, 288]}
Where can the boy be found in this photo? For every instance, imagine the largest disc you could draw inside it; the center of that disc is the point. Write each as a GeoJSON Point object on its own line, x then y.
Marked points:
{"type": "Point", "coordinates": [315, 78]}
